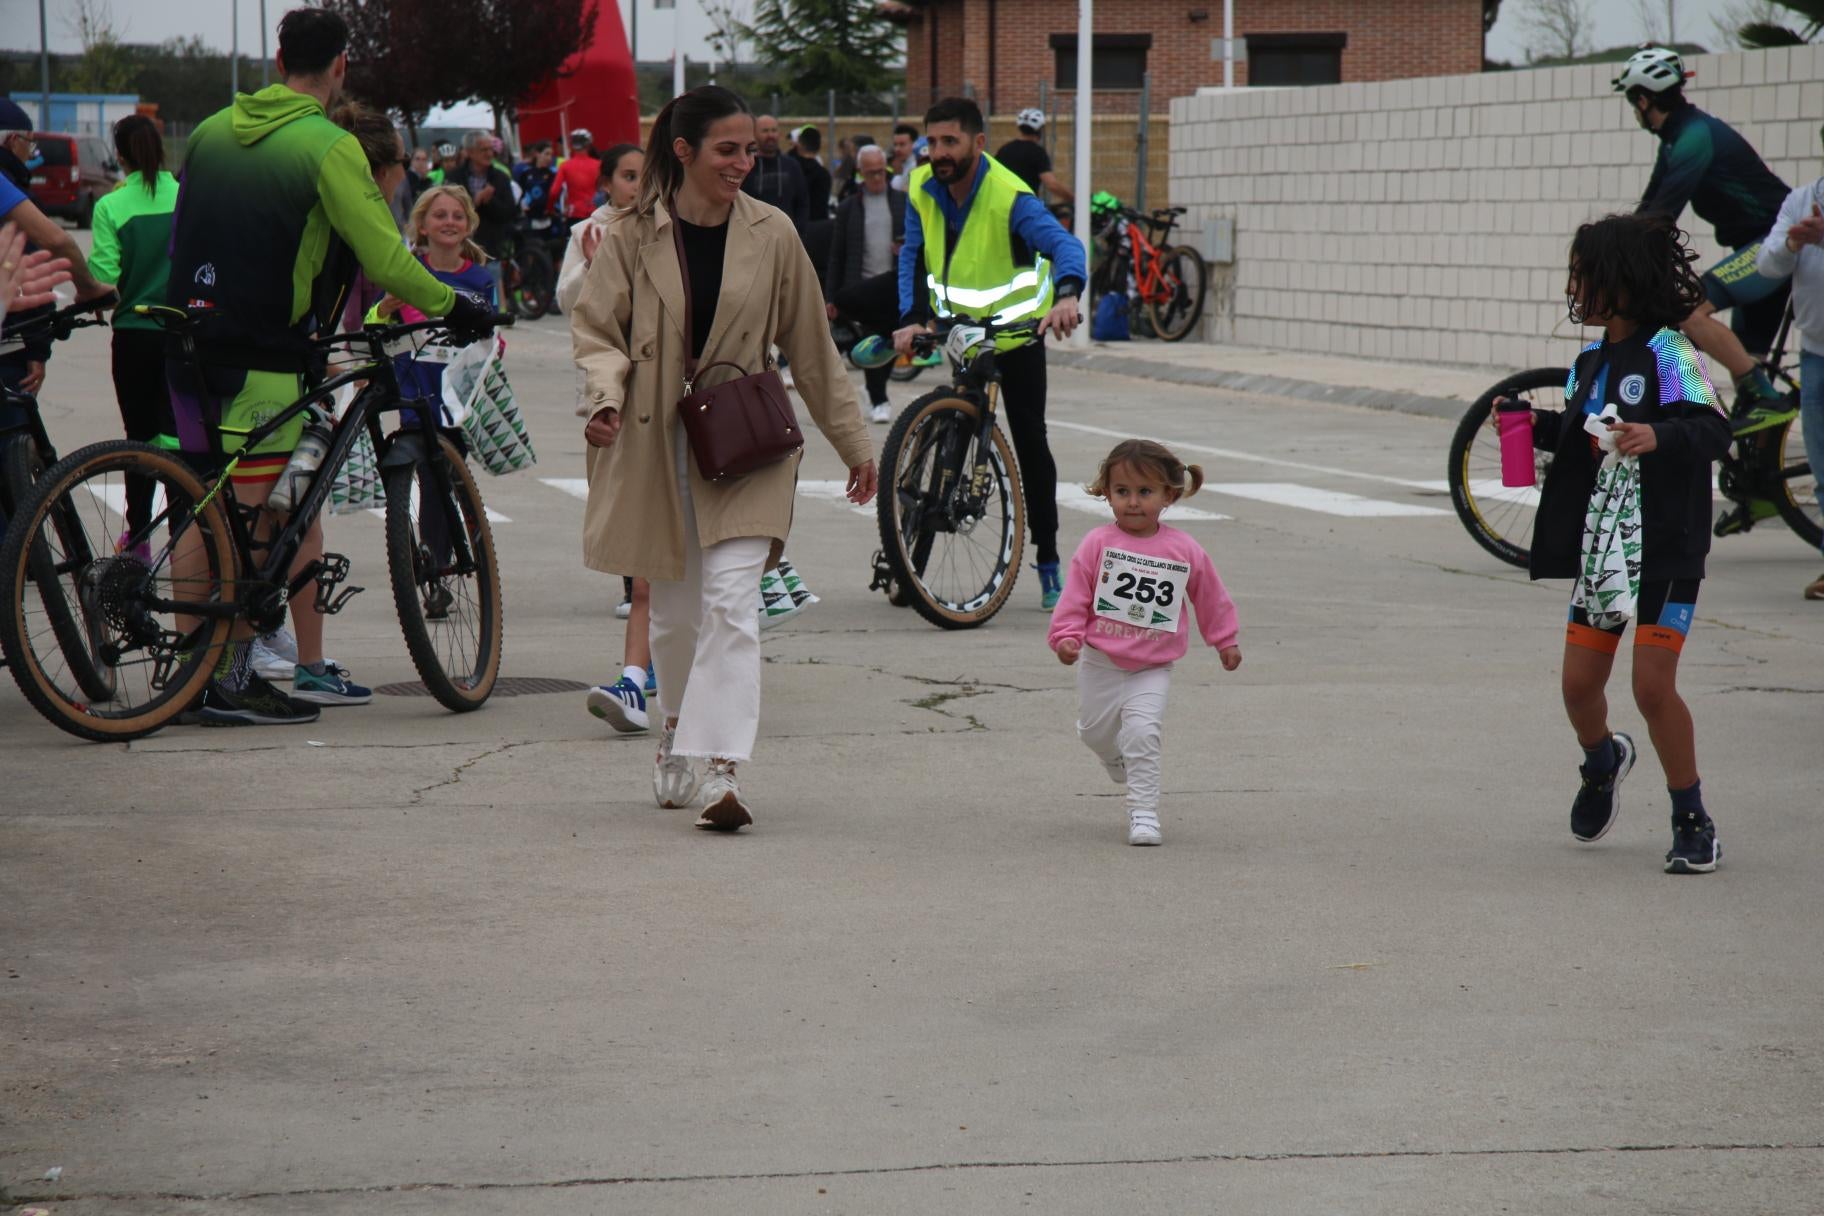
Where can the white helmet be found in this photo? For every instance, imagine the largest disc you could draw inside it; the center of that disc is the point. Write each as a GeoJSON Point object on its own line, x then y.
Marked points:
{"type": "Point", "coordinates": [581, 135]}
{"type": "Point", "coordinates": [1032, 118]}
{"type": "Point", "coordinates": [1653, 68]}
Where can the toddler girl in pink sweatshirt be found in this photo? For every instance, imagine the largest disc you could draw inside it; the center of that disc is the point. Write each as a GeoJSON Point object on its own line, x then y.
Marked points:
{"type": "Point", "coordinates": [1124, 613]}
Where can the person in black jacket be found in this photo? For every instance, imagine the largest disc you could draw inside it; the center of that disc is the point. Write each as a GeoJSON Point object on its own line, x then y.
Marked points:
{"type": "Point", "coordinates": [806, 143]}
{"type": "Point", "coordinates": [862, 284]}
{"type": "Point", "coordinates": [1632, 275]}
{"type": "Point", "coordinates": [776, 177]}
{"type": "Point", "coordinates": [492, 190]}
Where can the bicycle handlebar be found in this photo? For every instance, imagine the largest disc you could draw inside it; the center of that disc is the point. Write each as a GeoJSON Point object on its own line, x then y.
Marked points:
{"type": "Point", "coordinates": [925, 343]}
{"type": "Point", "coordinates": [60, 324]}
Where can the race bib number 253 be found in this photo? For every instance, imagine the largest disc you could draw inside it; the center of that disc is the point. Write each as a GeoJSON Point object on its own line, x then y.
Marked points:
{"type": "Point", "coordinates": [1139, 590]}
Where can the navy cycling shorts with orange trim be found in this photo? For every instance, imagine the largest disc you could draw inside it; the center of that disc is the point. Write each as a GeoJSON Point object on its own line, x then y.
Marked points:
{"type": "Point", "coordinates": [1663, 618]}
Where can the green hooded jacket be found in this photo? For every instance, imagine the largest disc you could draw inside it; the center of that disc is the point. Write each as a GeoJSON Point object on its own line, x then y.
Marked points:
{"type": "Point", "coordinates": [270, 187]}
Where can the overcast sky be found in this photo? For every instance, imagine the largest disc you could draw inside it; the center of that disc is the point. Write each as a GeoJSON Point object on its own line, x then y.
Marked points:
{"type": "Point", "coordinates": [1617, 21]}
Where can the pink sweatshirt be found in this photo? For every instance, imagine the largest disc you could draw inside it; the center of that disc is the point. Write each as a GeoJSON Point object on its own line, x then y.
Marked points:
{"type": "Point", "coordinates": [1130, 596]}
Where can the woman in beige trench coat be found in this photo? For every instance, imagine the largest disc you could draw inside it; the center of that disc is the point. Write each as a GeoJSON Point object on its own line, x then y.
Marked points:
{"type": "Point", "coordinates": [651, 514]}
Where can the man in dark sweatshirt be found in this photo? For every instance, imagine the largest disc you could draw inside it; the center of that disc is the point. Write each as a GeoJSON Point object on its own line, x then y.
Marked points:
{"type": "Point", "coordinates": [776, 178]}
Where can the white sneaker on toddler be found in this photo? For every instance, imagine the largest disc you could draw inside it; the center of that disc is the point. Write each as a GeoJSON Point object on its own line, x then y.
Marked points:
{"type": "Point", "coordinates": [1143, 828]}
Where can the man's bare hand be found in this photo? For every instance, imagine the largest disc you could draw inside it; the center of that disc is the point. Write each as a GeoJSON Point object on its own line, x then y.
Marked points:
{"type": "Point", "coordinates": [33, 380]}
{"type": "Point", "coordinates": [902, 338]}
{"type": "Point", "coordinates": [1064, 317]}
{"type": "Point", "coordinates": [604, 426]}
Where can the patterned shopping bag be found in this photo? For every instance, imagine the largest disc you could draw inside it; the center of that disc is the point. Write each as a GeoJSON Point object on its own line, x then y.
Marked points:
{"type": "Point", "coordinates": [476, 393]}
{"type": "Point", "coordinates": [1608, 589]}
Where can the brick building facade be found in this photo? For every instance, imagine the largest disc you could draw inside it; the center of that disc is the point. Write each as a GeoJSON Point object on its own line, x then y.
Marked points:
{"type": "Point", "coordinates": [1000, 50]}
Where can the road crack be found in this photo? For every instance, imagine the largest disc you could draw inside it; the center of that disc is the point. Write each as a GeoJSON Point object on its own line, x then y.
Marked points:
{"type": "Point", "coordinates": [455, 777]}
{"type": "Point", "coordinates": [65, 1196]}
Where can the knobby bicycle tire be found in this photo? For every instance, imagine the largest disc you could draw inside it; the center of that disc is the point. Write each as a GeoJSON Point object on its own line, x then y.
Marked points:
{"type": "Point", "coordinates": [1797, 500]}
{"type": "Point", "coordinates": [20, 469]}
{"type": "Point", "coordinates": [50, 499]}
{"type": "Point", "coordinates": [927, 421]}
{"type": "Point", "coordinates": [537, 282]}
{"type": "Point", "coordinates": [1499, 520]}
{"type": "Point", "coordinates": [417, 579]}
{"type": "Point", "coordinates": [1184, 276]}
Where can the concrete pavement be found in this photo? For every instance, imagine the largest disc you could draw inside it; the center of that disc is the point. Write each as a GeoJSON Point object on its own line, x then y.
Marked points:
{"type": "Point", "coordinates": [463, 964]}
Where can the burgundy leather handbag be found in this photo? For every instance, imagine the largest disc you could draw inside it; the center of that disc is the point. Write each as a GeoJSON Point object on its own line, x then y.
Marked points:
{"type": "Point", "coordinates": [739, 425]}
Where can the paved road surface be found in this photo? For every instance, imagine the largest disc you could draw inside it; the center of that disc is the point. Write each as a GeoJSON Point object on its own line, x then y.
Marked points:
{"type": "Point", "coordinates": [462, 964]}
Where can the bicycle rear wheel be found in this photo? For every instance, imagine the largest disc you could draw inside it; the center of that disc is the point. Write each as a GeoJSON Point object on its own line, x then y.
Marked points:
{"type": "Point", "coordinates": [1797, 496]}
{"type": "Point", "coordinates": [149, 660]}
{"type": "Point", "coordinates": [537, 288]}
{"type": "Point", "coordinates": [954, 548]}
{"type": "Point", "coordinates": [450, 608]}
{"type": "Point", "coordinates": [1176, 310]}
{"type": "Point", "coordinates": [1500, 518]}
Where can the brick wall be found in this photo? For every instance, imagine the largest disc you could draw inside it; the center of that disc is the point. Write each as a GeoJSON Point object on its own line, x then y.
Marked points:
{"type": "Point", "coordinates": [1428, 219]}
{"type": "Point", "coordinates": [1002, 48]}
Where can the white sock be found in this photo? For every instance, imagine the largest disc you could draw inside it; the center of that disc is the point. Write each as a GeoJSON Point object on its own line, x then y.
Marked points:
{"type": "Point", "coordinates": [636, 674]}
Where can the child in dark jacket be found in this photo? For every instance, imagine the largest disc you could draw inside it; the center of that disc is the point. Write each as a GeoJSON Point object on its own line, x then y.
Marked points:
{"type": "Point", "coordinates": [1632, 275]}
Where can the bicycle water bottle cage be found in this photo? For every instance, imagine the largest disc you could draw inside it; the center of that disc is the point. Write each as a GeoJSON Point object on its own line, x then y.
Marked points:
{"type": "Point", "coordinates": [962, 343]}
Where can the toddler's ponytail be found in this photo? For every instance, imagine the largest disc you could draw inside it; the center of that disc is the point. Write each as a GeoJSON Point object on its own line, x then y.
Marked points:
{"type": "Point", "coordinates": [1193, 480]}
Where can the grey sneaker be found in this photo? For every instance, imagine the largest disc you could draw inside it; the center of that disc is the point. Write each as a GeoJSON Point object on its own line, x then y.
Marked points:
{"type": "Point", "coordinates": [674, 778]}
{"type": "Point", "coordinates": [723, 810]}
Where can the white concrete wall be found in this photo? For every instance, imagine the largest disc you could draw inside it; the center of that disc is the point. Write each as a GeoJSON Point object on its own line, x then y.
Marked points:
{"type": "Point", "coordinates": [1428, 220]}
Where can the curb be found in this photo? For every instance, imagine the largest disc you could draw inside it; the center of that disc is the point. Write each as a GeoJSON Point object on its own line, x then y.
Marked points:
{"type": "Point", "coordinates": [1248, 382]}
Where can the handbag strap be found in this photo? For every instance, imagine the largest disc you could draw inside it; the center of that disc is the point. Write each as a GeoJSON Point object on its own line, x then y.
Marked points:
{"type": "Point", "coordinates": [690, 331]}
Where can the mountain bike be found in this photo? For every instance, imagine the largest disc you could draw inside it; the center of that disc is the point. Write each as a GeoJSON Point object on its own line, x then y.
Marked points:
{"type": "Point", "coordinates": [25, 453]}
{"type": "Point", "coordinates": [1764, 473]}
{"type": "Point", "coordinates": [1168, 279]}
{"type": "Point", "coordinates": [952, 521]}
{"type": "Point", "coordinates": [528, 274]}
{"type": "Point", "coordinates": [159, 606]}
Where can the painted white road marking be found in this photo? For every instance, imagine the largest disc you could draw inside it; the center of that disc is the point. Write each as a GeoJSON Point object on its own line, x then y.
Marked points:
{"type": "Point", "coordinates": [575, 487]}
{"type": "Point", "coordinates": [1250, 457]}
{"type": "Point", "coordinates": [1310, 498]}
{"type": "Point", "coordinates": [1076, 498]}
{"type": "Point", "coordinates": [1492, 490]}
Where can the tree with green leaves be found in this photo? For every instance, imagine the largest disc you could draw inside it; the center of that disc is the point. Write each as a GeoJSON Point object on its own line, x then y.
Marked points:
{"type": "Point", "coordinates": [818, 45]}
{"type": "Point", "coordinates": [105, 65]}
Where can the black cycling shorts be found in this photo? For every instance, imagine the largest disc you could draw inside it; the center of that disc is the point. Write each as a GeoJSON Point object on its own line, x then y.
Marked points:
{"type": "Point", "coordinates": [1757, 303]}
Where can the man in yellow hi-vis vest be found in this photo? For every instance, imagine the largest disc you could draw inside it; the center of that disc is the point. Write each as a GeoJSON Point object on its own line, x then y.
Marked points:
{"type": "Point", "coordinates": [980, 245]}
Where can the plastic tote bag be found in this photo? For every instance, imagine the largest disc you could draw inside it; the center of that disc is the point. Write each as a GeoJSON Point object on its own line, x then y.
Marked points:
{"type": "Point", "coordinates": [1608, 582]}
{"type": "Point", "coordinates": [357, 486]}
{"type": "Point", "coordinates": [477, 397]}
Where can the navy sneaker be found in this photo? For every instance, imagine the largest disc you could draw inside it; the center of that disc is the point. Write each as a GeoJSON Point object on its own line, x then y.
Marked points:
{"type": "Point", "coordinates": [1694, 846]}
{"type": "Point", "coordinates": [333, 687]}
{"type": "Point", "coordinates": [1051, 585]}
{"type": "Point", "coordinates": [1599, 801]}
{"type": "Point", "coordinates": [621, 705]}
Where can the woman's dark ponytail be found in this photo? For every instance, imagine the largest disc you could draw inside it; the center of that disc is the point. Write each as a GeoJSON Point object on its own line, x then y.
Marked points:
{"type": "Point", "coordinates": [688, 117]}
{"type": "Point", "coordinates": [137, 144]}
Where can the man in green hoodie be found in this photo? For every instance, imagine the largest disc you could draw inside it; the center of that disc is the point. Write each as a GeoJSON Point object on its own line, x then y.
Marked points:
{"type": "Point", "coordinates": [270, 189]}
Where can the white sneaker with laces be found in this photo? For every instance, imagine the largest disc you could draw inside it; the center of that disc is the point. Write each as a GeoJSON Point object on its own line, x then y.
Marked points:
{"type": "Point", "coordinates": [1143, 828]}
{"type": "Point", "coordinates": [274, 655]}
{"type": "Point", "coordinates": [723, 810]}
{"type": "Point", "coordinates": [881, 413]}
{"type": "Point", "coordinates": [674, 778]}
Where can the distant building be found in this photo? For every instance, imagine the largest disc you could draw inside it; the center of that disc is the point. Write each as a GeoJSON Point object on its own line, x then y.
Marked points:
{"type": "Point", "coordinates": [1001, 50]}
{"type": "Point", "coordinates": [78, 113]}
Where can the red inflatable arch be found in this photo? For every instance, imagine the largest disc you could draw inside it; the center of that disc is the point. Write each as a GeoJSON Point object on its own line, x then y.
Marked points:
{"type": "Point", "coordinates": [597, 91]}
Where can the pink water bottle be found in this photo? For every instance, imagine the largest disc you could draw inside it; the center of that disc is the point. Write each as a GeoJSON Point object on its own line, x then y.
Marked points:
{"type": "Point", "coordinates": [1514, 419]}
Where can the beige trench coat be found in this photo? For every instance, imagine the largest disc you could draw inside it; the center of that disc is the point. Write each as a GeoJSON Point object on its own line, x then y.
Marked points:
{"type": "Point", "coordinates": [628, 333]}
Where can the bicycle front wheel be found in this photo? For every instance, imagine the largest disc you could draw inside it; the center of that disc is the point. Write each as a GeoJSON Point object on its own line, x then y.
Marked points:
{"type": "Point", "coordinates": [1796, 497]}
{"type": "Point", "coordinates": [449, 604]}
{"type": "Point", "coordinates": [1179, 303]}
{"type": "Point", "coordinates": [953, 541]}
{"type": "Point", "coordinates": [1499, 517]}
{"type": "Point", "coordinates": [97, 639]}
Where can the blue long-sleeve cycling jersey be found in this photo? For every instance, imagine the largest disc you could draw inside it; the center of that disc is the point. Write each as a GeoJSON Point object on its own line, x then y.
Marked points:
{"type": "Point", "coordinates": [1030, 224]}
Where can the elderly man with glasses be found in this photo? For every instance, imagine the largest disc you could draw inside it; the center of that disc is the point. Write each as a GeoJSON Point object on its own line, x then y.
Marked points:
{"type": "Point", "coordinates": [862, 284]}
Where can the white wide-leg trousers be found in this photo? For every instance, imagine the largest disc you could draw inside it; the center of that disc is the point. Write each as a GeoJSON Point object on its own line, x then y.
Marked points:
{"type": "Point", "coordinates": [1121, 716]}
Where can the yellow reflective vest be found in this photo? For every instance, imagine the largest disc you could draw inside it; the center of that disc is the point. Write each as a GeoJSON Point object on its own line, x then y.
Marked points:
{"type": "Point", "coordinates": [978, 279]}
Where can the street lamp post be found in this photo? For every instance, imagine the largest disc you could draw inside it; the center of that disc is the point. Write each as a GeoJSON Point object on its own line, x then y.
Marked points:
{"type": "Point", "coordinates": [1085, 90]}
{"type": "Point", "coordinates": [265, 58]}
{"type": "Point", "coordinates": [234, 50]}
{"type": "Point", "coordinates": [44, 71]}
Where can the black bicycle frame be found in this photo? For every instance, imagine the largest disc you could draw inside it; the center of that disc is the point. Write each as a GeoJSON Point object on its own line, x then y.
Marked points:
{"type": "Point", "coordinates": [380, 396]}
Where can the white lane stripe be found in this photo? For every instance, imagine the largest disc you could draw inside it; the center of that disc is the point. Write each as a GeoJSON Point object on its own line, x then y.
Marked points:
{"type": "Point", "coordinates": [1494, 491]}
{"type": "Point", "coordinates": [1076, 498]}
{"type": "Point", "coordinates": [832, 491]}
{"type": "Point", "coordinates": [575, 487]}
{"type": "Point", "coordinates": [1252, 457]}
{"type": "Point", "coordinates": [1309, 498]}
{"type": "Point", "coordinates": [115, 497]}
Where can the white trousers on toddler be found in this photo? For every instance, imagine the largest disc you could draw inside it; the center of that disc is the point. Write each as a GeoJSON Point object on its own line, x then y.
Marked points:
{"type": "Point", "coordinates": [1121, 718]}
{"type": "Point", "coordinates": [706, 639]}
